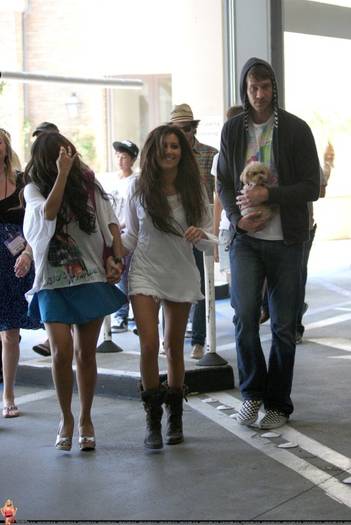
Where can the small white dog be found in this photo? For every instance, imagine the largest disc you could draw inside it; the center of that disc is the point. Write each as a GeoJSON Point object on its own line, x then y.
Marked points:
{"type": "Point", "coordinates": [256, 174]}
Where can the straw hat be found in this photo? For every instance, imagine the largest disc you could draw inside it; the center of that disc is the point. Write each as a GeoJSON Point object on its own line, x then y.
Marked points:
{"type": "Point", "coordinates": [182, 113]}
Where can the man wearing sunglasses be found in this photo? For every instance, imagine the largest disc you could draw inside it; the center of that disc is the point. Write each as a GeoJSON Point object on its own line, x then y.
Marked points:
{"type": "Point", "coordinates": [182, 117]}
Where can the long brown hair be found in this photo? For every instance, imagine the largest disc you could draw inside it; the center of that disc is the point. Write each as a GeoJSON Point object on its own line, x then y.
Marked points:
{"type": "Point", "coordinates": [42, 171]}
{"type": "Point", "coordinates": [188, 183]}
{"type": "Point", "coordinates": [9, 169]}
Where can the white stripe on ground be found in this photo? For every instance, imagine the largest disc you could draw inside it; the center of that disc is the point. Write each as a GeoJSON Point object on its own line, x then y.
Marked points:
{"type": "Point", "coordinates": [228, 312]}
{"type": "Point", "coordinates": [36, 396]}
{"type": "Point", "coordinates": [335, 288]}
{"type": "Point", "coordinates": [110, 371]}
{"type": "Point", "coordinates": [226, 346]}
{"type": "Point", "coordinates": [118, 373]}
{"type": "Point", "coordinates": [126, 351]}
{"type": "Point", "coordinates": [329, 321]}
{"type": "Point", "coordinates": [335, 306]}
{"type": "Point", "coordinates": [334, 342]}
{"type": "Point", "coordinates": [232, 346]}
{"type": "Point", "coordinates": [37, 363]}
{"type": "Point", "coordinates": [325, 482]}
{"type": "Point", "coordinates": [317, 324]}
{"type": "Point", "coordinates": [290, 434]}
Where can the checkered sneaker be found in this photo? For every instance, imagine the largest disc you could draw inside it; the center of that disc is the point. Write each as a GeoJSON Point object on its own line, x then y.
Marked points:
{"type": "Point", "coordinates": [248, 412]}
{"type": "Point", "coordinates": [273, 419]}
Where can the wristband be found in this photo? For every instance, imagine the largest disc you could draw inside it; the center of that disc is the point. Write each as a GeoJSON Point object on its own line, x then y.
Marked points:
{"type": "Point", "coordinates": [26, 252]}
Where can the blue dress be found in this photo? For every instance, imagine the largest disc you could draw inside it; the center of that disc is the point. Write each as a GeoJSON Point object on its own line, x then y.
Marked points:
{"type": "Point", "coordinates": [13, 304]}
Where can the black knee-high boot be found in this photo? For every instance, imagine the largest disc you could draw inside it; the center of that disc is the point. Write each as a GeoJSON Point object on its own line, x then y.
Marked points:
{"type": "Point", "coordinates": [174, 408]}
{"type": "Point", "coordinates": [153, 400]}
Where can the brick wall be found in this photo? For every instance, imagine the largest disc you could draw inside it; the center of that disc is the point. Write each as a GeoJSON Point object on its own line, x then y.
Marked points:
{"type": "Point", "coordinates": [52, 46]}
{"type": "Point", "coordinates": [11, 99]}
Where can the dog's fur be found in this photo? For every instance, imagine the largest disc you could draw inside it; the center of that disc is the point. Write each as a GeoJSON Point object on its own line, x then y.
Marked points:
{"type": "Point", "coordinates": [256, 174]}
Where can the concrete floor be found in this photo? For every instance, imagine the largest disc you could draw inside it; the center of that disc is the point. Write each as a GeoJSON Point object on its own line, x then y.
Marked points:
{"type": "Point", "coordinates": [222, 471]}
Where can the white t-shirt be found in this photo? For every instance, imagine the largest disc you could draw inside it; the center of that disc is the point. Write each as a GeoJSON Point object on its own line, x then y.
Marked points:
{"type": "Point", "coordinates": [119, 195]}
{"type": "Point", "coordinates": [71, 258]}
{"type": "Point", "coordinates": [260, 149]}
{"type": "Point", "coordinates": [224, 222]}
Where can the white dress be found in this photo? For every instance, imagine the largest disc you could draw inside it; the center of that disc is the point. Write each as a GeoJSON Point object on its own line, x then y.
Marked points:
{"type": "Point", "coordinates": [163, 264]}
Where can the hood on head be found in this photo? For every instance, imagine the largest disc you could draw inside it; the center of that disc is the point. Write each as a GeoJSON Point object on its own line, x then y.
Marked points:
{"type": "Point", "coordinates": [246, 68]}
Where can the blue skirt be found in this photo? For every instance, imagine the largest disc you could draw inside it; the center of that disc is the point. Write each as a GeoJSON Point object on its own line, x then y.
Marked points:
{"type": "Point", "coordinates": [75, 305]}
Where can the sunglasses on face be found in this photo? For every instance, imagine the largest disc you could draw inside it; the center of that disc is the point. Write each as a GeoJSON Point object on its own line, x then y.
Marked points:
{"type": "Point", "coordinates": [186, 129]}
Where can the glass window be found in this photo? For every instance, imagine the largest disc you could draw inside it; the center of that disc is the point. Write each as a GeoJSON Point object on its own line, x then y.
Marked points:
{"type": "Point", "coordinates": [316, 89]}
{"type": "Point", "coordinates": [175, 48]}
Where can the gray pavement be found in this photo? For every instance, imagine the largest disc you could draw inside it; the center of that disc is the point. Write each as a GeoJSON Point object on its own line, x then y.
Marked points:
{"type": "Point", "coordinates": [222, 471]}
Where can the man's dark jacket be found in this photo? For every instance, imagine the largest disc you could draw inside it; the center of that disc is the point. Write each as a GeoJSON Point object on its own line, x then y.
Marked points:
{"type": "Point", "coordinates": [296, 161]}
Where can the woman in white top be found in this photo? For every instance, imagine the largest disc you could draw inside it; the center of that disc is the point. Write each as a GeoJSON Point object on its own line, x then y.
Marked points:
{"type": "Point", "coordinates": [68, 221]}
{"type": "Point", "coordinates": [167, 213]}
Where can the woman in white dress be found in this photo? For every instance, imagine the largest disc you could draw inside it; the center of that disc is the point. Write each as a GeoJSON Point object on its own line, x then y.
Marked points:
{"type": "Point", "coordinates": [167, 213]}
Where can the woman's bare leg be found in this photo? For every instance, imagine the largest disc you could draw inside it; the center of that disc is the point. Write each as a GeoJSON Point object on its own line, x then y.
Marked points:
{"type": "Point", "coordinates": [10, 357]}
{"type": "Point", "coordinates": [145, 310]}
{"type": "Point", "coordinates": [176, 317]}
{"type": "Point", "coordinates": [61, 345]}
{"type": "Point", "coordinates": [85, 341]}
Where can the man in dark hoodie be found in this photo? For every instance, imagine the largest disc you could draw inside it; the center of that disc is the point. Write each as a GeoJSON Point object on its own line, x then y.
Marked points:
{"type": "Point", "coordinates": [266, 249]}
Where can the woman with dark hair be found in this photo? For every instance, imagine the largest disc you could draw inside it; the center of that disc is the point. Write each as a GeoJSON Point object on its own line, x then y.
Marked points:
{"type": "Point", "coordinates": [167, 213]}
{"type": "Point", "coordinates": [14, 253]}
{"type": "Point", "coordinates": [68, 221]}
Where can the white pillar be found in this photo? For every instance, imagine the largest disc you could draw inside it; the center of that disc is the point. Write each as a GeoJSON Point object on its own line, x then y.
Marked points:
{"type": "Point", "coordinates": [107, 328]}
{"type": "Point", "coordinates": [210, 303]}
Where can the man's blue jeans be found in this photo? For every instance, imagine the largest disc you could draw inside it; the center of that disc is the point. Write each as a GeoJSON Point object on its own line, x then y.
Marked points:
{"type": "Point", "coordinates": [304, 268]}
{"type": "Point", "coordinates": [253, 260]}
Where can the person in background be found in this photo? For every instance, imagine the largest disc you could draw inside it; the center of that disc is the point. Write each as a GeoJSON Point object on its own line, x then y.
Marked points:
{"type": "Point", "coordinates": [328, 164]}
{"type": "Point", "coordinates": [182, 117]}
{"type": "Point", "coordinates": [16, 163]}
{"type": "Point", "coordinates": [69, 221]}
{"type": "Point", "coordinates": [167, 213]}
{"type": "Point", "coordinates": [264, 248]}
{"type": "Point", "coordinates": [126, 155]}
{"type": "Point", "coordinates": [43, 348]}
{"type": "Point", "coordinates": [14, 254]}
{"type": "Point", "coordinates": [221, 225]}
{"type": "Point", "coordinates": [45, 127]}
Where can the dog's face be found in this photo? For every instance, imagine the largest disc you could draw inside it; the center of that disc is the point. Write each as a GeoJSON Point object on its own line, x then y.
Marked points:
{"type": "Point", "coordinates": [255, 173]}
